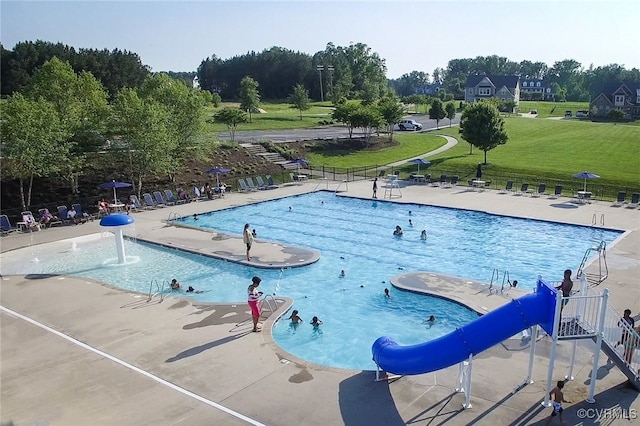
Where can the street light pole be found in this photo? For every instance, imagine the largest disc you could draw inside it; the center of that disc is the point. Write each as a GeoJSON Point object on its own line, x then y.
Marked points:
{"type": "Point", "coordinates": [320, 68]}
{"type": "Point", "coordinates": [330, 70]}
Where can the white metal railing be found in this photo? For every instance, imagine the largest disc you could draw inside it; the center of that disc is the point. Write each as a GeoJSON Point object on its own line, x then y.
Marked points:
{"type": "Point", "coordinates": [173, 216]}
{"type": "Point", "coordinates": [603, 268]}
{"type": "Point", "coordinates": [267, 301]}
{"type": "Point", "coordinates": [619, 334]}
{"type": "Point", "coordinates": [320, 182]}
{"type": "Point", "coordinates": [158, 290]}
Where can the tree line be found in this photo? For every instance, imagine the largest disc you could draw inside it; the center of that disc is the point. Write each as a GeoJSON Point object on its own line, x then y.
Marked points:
{"type": "Point", "coordinates": [352, 72]}
{"type": "Point", "coordinates": [60, 117]}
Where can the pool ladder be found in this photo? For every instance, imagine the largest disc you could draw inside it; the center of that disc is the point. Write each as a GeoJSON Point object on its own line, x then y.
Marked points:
{"type": "Point", "coordinates": [338, 188]}
{"type": "Point", "coordinates": [270, 302]}
{"type": "Point", "coordinates": [173, 216]}
{"type": "Point", "coordinates": [495, 277]}
{"type": "Point", "coordinates": [158, 289]}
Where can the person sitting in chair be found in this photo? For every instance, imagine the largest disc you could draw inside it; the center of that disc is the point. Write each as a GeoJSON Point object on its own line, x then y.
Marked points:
{"type": "Point", "coordinates": [46, 217]}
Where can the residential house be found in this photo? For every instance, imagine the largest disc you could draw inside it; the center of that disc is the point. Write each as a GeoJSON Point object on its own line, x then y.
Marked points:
{"type": "Point", "coordinates": [624, 96]}
{"type": "Point", "coordinates": [503, 87]}
{"type": "Point", "coordinates": [535, 90]}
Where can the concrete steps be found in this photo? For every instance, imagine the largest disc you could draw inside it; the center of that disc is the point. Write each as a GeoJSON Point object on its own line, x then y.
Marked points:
{"type": "Point", "coordinates": [273, 157]}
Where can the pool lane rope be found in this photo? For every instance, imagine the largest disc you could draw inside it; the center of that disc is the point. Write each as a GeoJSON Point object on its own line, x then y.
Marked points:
{"type": "Point", "coordinates": [133, 367]}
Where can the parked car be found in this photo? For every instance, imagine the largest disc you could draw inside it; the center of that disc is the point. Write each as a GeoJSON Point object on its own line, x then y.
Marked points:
{"type": "Point", "coordinates": [582, 114]}
{"type": "Point", "coordinates": [568, 114]}
{"type": "Point", "coordinates": [534, 111]}
{"type": "Point", "coordinates": [409, 124]}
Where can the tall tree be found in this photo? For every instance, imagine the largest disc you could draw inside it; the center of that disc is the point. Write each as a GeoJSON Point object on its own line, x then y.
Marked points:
{"type": "Point", "coordinates": [249, 96]}
{"type": "Point", "coordinates": [437, 112]}
{"type": "Point", "coordinates": [450, 109]}
{"type": "Point", "coordinates": [483, 127]}
{"type": "Point", "coordinates": [185, 108]}
{"type": "Point", "coordinates": [368, 118]}
{"type": "Point", "coordinates": [299, 99]}
{"type": "Point", "coordinates": [391, 111]}
{"type": "Point", "coordinates": [344, 113]}
{"type": "Point", "coordinates": [143, 126]}
{"type": "Point", "coordinates": [33, 141]}
{"type": "Point", "coordinates": [231, 117]}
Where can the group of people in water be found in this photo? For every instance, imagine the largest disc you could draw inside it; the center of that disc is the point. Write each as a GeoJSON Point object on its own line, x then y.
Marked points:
{"type": "Point", "coordinates": [295, 319]}
{"type": "Point", "coordinates": [398, 232]}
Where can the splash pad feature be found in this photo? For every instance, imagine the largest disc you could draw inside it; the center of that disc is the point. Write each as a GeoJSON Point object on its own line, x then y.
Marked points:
{"type": "Point", "coordinates": [118, 222]}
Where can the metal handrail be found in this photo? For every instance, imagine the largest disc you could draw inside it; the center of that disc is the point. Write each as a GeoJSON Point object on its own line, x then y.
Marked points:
{"type": "Point", "coordinates": [173, 216]}
{"type": "Point", "coordinates": [267, 300]}
{"type": "Point", "coordinates": [159, 290]}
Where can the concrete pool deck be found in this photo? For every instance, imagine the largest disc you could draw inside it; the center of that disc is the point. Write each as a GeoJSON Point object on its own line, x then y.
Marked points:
{"type": "Point", "coordinates": [173, 362]}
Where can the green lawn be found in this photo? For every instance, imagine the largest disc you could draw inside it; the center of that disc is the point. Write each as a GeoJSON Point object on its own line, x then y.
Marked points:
{"type": "Point", "coordinates": [411, 145]}
{"type": "Point", "coordinates": [278, 116]}
{"type": "Point", "coordinates": [538, 150]}
{"type": "Point", "coordinates": [545, 108]}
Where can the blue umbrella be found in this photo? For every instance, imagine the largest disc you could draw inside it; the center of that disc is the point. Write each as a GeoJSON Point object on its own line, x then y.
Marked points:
{"type": "Point", "coordinates": [420, 161]}
{"type": "Point", "coordinates": [113, 184]}
{"type": "Point", "coordinates": [217, 171]}
{"type": "Point", "coordinates": [299, 161]}
{"type": "Point", "coordinates": [585, 176]}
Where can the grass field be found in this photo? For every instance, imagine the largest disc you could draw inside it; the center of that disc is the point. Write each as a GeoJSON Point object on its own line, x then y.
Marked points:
{"type": "Point", "coordinates": [552, 109]}
{"type": "Point", "coordinates": [278, 116]}
{"type": "Point", "coordinates": [538, 150]}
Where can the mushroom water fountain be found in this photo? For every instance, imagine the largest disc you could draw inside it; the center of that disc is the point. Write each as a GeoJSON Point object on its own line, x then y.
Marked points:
{"type": "Point", "coordinates": [117, 222]}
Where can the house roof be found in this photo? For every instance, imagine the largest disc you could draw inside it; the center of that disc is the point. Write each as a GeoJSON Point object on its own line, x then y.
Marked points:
{"type": "Point", "coordinates": [509, 81]}
{"type": "Point", "coordinates": [608, 88]}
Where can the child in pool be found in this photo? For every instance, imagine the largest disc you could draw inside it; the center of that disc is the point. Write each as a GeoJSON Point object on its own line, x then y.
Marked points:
{"type": "Point", "coordinates": [295, 318]}
{"type": "Point", "coordinates": [316, 322]}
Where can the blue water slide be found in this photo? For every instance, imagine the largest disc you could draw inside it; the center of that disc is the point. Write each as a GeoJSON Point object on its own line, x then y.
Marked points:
{"type": "Point", "coordinates": [475, 337]}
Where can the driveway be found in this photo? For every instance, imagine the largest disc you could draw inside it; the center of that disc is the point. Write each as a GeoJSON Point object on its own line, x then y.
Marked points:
{"type": "Point", "coordinates": [331, 132]}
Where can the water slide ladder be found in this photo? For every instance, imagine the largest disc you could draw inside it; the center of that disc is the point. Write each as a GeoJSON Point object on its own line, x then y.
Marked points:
{"type": "Point", "coordinates": [156, 290]}
{"type": "Point", "coordinates": [603, 269]}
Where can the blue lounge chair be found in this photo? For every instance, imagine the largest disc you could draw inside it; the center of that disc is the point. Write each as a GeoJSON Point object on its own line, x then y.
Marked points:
{"type": "Point", "coordinates": [84, 216]}
{"type": "Point", "coordinates": [557, 192]}
{"type": "Point", "coordinates": [508, 187]}
{"type": "Point", "coordinates": [160, 202]}
{"type": "Point", "coordinates": [5, 225]}
{"type": "Point", "coordinates": [243, 185]}
{"type": "Point", "coordinates": [523, 189]}
{"type": "Point", "coordinates": [635, 198]}
{"type": "Point", "coordinates": [622, 195]}
{"type": "Point", "coordinates": [272, 184]}
{"type": "Point", "coordinates": [541, 189]}
{"type": "Point", "coordinates": [63, 214]}
{"type": "Point", "coordinates": [171, 199]}
{"type": "Point", "coordinates": [252, 186]}
{"type": "Point", "coordinates": [150, 204]}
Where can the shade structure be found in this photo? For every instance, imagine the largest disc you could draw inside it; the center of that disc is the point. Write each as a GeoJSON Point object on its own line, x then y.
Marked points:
{"type": "Point", "coordinates": [298, 162]}
{"type": "Point", "coordinates": [420, 162]}
{"type": "Point", "coordinates": [585, 176]}
{"type": "Point", "coordinates": [115, 185]}
{"type": "Point", "coordinates": [217, 171]}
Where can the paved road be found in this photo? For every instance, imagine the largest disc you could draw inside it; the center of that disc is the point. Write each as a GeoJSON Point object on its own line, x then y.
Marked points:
{"type": "Point", "coordinates": [292, 135]}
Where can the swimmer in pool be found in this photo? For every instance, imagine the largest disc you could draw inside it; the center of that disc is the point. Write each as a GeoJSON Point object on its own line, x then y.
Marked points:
{"type": "Point", "coordinates": [386, 293]}
{"type": "Point", "coordinates": [343, 274]}
{"type": "Point", "coordinates": [423, 234]}
{"type": "Point", "coordinates": [315, 322]}
{"type": "Point", "coordinates": [398, 231]}
{"type": "Point", "coordinates": [295, 318]}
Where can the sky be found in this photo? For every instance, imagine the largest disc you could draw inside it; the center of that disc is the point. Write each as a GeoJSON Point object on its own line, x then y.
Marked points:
{"type": "Point", "coordinates": [409, 35]}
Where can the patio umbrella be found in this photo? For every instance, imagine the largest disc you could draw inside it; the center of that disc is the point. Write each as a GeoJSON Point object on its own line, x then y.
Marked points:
{"type": "Point", "coordinates": [299, 161]}
{"type": "Point", "coordinates": [420, 161]}
{"type": "Point", "coordinates": [113, 184]}
{"type": "Point", "coordinates": [585, 176]}
{"type": "Point", "coordinates": [217, 171]}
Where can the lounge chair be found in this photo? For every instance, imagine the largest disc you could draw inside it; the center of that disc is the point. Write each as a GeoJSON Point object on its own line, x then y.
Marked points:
{"type": "Point", "coordinates": [53, 221]}
{"type": "Point", "coordinates": [171, 198]}
{"type": "Point", "coordinates": [261, 184]}
{"type": "Point", "coordinates": [135, 203]}
{"type": "Point", "coordinates": [622, 195]}
{"type": "Point", "coordinates": [635, 198]}
{"type": "Point", "coordinates": [382, 173]}
{"type": "Point", "coordinates": [440, 182]}
{"type": "Point", "coordinates": [5, 225]}
{"type": "Point", "coordinates": [243, 185]}
{"type": "Point", "coordinates": [557, 192]}
{"type": "Point", "coordinates": [160, 202]}
{"type": "Point", "coordinates": [270, 182]}
{"type": "Point", "coordinates": [454, 180]}
{"type": "Point", "coordinates": [523, 189]}
{"type": "Point", "coordinates": [541, 189]}
{"type": "Point", "coordinates": [148, 200]}
{"type": "Point", "coordinates": [80, 213]}
{"type": "Point", "coordinates": [29, 223]}
{"type": "Point", "coordinates": [63, 214]}
{"type": "Point", "coordinates": [252, 186]}
{"type": "Point", "coordinates": [508, 187]}
{"type": "Point", "coordinates": [294, 178]}
{"type": "Point", "coordinates": [197, 192]}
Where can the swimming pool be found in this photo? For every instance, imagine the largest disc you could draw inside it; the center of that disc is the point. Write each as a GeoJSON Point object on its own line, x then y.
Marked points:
{"type": "Point", "coordinates": [354, 235]}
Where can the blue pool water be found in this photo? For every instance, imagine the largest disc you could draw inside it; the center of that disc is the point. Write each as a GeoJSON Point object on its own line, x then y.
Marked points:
{"type": "Point", "coordinates": [354, 235]}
